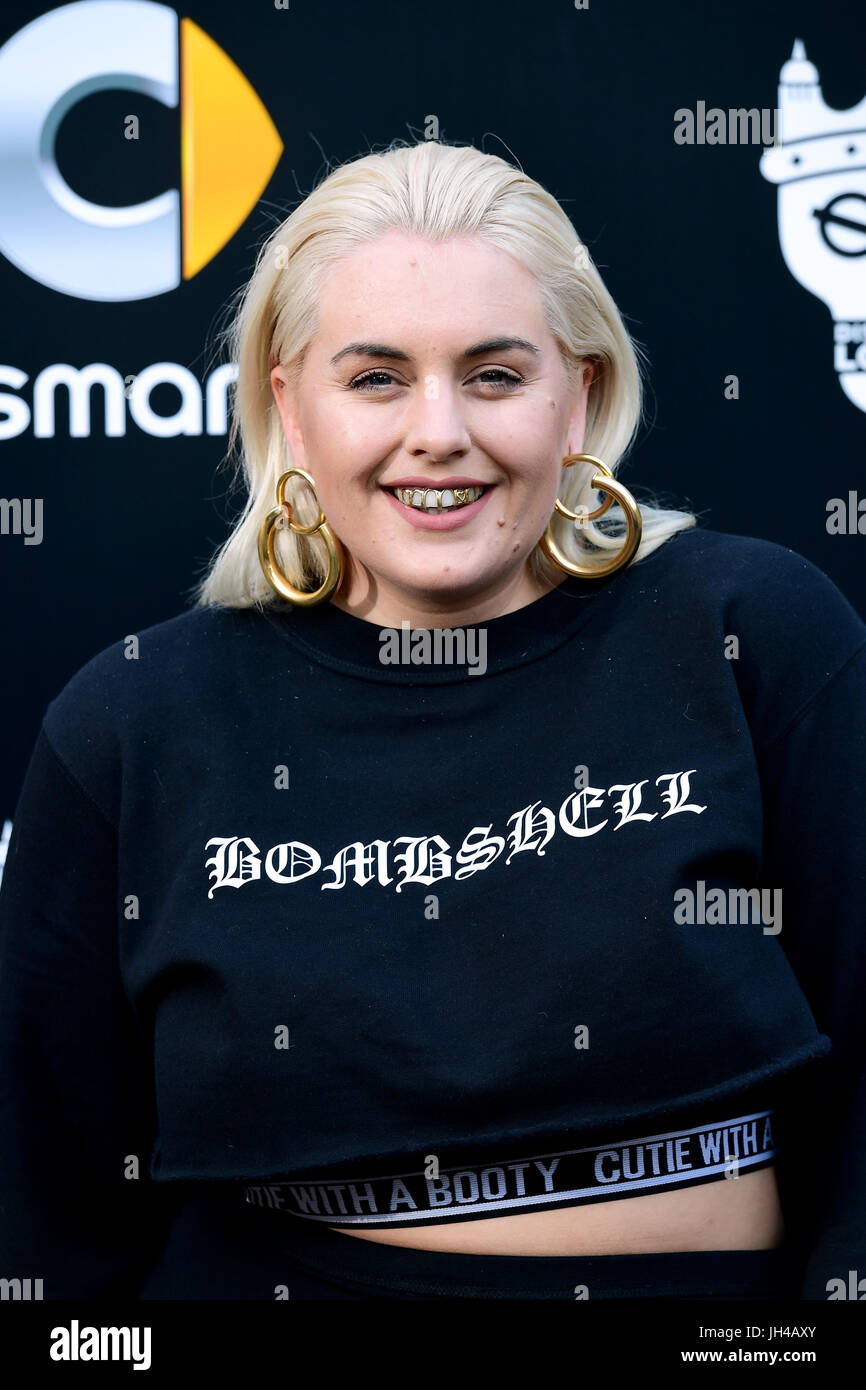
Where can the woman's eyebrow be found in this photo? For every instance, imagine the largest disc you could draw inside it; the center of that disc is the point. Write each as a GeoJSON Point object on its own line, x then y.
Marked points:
{"type": "Point", "coordinates": [477, 350]}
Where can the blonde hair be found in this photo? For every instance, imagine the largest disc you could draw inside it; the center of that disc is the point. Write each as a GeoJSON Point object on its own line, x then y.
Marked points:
{"type": "Point", "coordinates": [438, 191]}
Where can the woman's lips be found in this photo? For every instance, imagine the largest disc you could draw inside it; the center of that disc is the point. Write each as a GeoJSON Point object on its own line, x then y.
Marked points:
{"type": "Point", "coordinates": [439, 521]}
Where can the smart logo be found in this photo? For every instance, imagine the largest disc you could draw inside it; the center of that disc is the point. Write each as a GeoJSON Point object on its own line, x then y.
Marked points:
{"type": "Point", "coordinates": [229, 149]}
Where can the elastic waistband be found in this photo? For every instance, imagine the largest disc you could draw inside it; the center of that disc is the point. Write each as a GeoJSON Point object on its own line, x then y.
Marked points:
{"type": "Point", "coordinates": [484, 1187]}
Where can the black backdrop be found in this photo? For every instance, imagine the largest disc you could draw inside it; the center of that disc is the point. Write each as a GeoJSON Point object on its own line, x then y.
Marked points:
{"type": "Point", "coordinates": [686, 237]}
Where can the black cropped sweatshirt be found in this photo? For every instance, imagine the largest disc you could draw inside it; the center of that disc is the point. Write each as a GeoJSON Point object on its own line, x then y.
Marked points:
{"type": "Point", "coordinates": [288, 893]}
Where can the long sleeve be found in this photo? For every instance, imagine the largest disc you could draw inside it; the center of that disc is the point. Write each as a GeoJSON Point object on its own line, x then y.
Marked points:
{"type": "Point", "coordinates": [76, 1097]}
{"type": "Point", "coordinates": [813, 777]}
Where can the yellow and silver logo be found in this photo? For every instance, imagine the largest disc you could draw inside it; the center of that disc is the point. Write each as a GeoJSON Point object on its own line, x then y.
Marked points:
{"type": "Point", "coordinates": [229, 149]}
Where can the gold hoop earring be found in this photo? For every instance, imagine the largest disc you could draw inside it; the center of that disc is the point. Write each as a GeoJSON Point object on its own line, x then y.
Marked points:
{"type": "Point", "coordinates": [305, 598]}
{"type": "Point", "coordinates": [603, 481]}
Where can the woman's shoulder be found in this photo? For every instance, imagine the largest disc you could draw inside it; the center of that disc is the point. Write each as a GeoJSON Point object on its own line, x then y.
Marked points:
{"type": "Point", "coordinates": [707, 550]}
{"type": "Point", "coordinates": [136, 678]}
{"type": "Point", "coordinates": [778, 621]}
{"type": "Point", "coordinates": [768, 588]}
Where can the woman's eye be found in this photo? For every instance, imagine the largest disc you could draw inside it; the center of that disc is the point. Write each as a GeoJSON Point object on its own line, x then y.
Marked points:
{"type": "Point", "coordinates": [361, 382]}
{"type": "Point", "coordinates": [507, 379]}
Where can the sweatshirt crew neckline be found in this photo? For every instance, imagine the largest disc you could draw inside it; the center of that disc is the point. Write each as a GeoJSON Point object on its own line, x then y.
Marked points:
{"type": "Point", "coordinates": [356, 646]}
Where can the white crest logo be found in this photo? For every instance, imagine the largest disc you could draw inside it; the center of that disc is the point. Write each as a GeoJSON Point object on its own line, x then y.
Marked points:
{"type": "Point", "coordinates": [819, 164]}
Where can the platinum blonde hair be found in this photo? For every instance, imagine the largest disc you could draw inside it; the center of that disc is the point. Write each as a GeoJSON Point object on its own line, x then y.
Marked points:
{"type": "Point", "coordinates": [438, 191]}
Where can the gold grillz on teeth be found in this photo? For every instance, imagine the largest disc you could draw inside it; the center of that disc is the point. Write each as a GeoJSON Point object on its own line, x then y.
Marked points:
{"type": "Point", "coordinates": [419, 497]}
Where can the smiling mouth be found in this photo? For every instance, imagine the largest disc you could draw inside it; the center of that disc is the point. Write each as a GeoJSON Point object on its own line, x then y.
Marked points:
{"type": "Point", "coordinates": [432, 499]}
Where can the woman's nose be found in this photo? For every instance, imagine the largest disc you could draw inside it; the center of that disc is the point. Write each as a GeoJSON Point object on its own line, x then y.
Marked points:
{"type": "Point", "coordinates": [436, 420]}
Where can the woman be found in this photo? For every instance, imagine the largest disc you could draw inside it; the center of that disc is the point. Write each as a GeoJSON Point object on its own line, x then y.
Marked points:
{"type": "Point", "coordinates": [461, 900]}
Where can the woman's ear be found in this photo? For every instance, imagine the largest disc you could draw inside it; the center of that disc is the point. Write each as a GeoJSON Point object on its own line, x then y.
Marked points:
{"type": "Point", "coordinates": [286, 404]}
{"type": "Point", "coordinates": [279, 387]}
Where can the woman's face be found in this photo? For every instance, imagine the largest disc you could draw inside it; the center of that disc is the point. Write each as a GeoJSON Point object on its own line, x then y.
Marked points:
{"type": "Point", "coordinates": [432, 367]}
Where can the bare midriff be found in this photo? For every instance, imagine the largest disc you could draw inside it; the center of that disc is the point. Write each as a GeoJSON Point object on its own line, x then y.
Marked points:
{"type": "Point", "coordinates": [736, 1213]}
